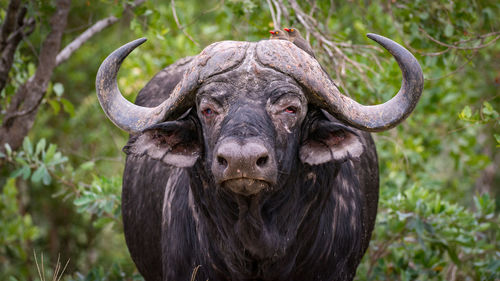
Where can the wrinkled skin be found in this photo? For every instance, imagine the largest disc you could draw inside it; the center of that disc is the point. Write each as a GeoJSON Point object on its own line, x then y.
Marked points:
{"type": "Point", "coordinates": [306, 212]}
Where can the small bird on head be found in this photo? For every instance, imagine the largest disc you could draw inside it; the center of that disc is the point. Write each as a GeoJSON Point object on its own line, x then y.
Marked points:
{"type": "Point", "coordinates": [296, 38]}
{"type": "Point", "coordinates": [278, 35]}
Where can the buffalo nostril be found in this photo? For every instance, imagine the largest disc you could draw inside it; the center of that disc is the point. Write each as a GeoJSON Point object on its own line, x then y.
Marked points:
{"type": "Point", "coordinates": [221, 161]}
{"type": "Point", "coordinates": [262, 161]}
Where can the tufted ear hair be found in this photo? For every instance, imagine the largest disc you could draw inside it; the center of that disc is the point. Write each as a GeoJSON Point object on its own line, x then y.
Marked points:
{"type": "Point", "coordinates": [174, 142]}
{"type": "Point", "coordinates": [330, 141]}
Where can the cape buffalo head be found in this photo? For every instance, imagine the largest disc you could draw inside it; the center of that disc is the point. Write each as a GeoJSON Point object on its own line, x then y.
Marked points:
{"type": "Point", "coordinates": [252, 110]}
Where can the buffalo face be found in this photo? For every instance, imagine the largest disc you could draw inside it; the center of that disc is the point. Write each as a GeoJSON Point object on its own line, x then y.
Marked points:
{"type": "Point", "coordinates": [249, 134]}
{"type": "Point", "coordinates": [250, 128]}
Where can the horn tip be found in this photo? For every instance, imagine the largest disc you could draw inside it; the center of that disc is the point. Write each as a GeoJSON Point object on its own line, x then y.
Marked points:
{"type": "Point", "coordinates": [139, 41]}
{"type": "Point", "coordinates": [375, 37]}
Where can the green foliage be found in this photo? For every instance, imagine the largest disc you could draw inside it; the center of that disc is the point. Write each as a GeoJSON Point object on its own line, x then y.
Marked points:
{"type": "Point", "coordinates": [35, 163]}
{"type": "Point", "coordinates": [438, 211]}
{"type": "Point", "coordinates": [16, 233]}
{"type": "Point", "coordinates": [101, 199]}
{"type": "Point", "coordinates": [98, 202]}
{"type": "Point", "coordinates": [101, 273]}
{"type": "Point", "coordinates": [421, 236]}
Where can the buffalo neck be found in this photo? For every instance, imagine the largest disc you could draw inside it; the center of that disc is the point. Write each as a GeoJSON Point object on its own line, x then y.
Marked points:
{"type": "Point", "coordinates": [248, 237]}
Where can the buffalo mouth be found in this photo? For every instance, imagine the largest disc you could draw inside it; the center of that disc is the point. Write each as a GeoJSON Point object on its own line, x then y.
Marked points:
{"type": "Point", "coordinates": [245, 186]}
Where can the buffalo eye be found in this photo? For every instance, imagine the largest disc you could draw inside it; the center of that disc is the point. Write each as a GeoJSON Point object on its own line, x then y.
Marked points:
{"type": "Point", "coordinates": [208, 112]}
{"type": "Point", "coordinates": [290, 110]}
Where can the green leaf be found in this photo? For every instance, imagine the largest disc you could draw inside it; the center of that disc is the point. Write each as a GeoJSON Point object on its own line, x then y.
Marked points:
{"type": "Point", "coordinates": [87, 165]}
{"type": "Point", "coordinates": [448, 30]}
{"type": "Point", "coordinates": [466, 113]}
{"type": "Point", "coordinates": [27, 147]}
{"type": "Point", "coordinates": [453, 255]}
{"type": "Point", "coordinates": [55, 106]}
{"type": "Point", "coordinates": [488, 110]}
{"type": "Point", "coordinates": [21, 171]}
{"type": "Point", "coordinates": [51, 151]}
{"type": "Point", "coordinates": [40, 146]}
{"type": "Point", "coordinates": [46, 178]}
{"type": "Point", "coordinates": [58, 89]}
{"type": "Point", "coordinates": [8, 149]}
{"type": "Point", "coordinates": [108, 206]}
{"type": "Point", "coordinates": [31, 69]}
{"type": "Point", "coordinates": [26, 172]}
{"type": "Point", "coordinates": [489, 13]}
{"type": "Point", "coordinates": [358, 25]}
{"type": "Point", "coordinates": [68, 107]}
{"type": "Point", "coordinates": [83, 200]}
{"type": "Point", "coordinates": [403, 216]}
{"type": "Point", "coordinates": [497, 138]}
{"type": "Point", "coordinates": [57, 159]}
{"type": "Point", "coordinates": [41, 174]}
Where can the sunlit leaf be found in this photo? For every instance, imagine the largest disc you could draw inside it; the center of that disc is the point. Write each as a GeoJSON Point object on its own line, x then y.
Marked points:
{"type": "Point", "coordinates": [27, 146]}
{"type": "Point", "coordinates": [40, 146]}
{"type": "Point", "coordinates": [58, 89]}
{"type": "Point", "coordinates": [55, 106]}
{"type": "Point", "coordinates": [68, 107]}
{"type": "Point", "coordinates": [466, 113]}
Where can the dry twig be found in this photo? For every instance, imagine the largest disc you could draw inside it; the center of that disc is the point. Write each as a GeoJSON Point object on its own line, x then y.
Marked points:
{"type": "Point", "coordinates": [337, 52]}
{"type": "Point", "coordinates": [458, 69]}
{"type": "Point", "coordinates": [58, 273]}
{"type": "Point", "coordinates": [172, 3]}
{"type": "Point", "coordinates": [273, 15]}
{"type": "Point", "coordinates": [457, 46]}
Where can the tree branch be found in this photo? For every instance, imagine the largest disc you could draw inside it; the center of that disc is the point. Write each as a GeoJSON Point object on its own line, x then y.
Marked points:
{"type": "Point", "coordinates": [278, 13]}
{"type": "Point", "coordinates": [283, 8]}
{"type": "Point", "coordinates": [29, 95]}
{"type": "Point", "coordinates": [12, 33]}
{"type": "Point", "coordinates": [337, 52]}
{"type": "Point", "coordinates": [89, 33]}
{"type": "Point", "coordinates": [9, 23]}
{"type": "Point", "coordinates": [273, 15]}
{"type": "Point", "coordinates": [21, 112]}
{"type": "Point", "coordinates": [84, 37]}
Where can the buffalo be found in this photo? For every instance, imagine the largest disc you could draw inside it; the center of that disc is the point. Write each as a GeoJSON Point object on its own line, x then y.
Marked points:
{"type": "Point", "coordinates": [247, 163]}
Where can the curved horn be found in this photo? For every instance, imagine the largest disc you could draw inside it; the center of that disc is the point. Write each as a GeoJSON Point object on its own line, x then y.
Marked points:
{"type": "Point", "coordinates": [285, 57]}
{"type": "Point", "coordinates": [124, 114]}
{"type": "Point", "coordinates": [216, 58]}
{"type": "Point", "coordinates": [384, 116]}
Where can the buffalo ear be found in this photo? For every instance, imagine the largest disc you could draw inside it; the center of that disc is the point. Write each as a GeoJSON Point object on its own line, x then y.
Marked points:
{"type": "Point", "coordinates": [175, 143]}
{"type": "Point", "coordinates": [330, 141]}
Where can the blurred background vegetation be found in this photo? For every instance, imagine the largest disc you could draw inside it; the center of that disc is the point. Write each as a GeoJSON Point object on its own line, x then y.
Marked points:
{"type": "Point", "coordinates": [440, 181]}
